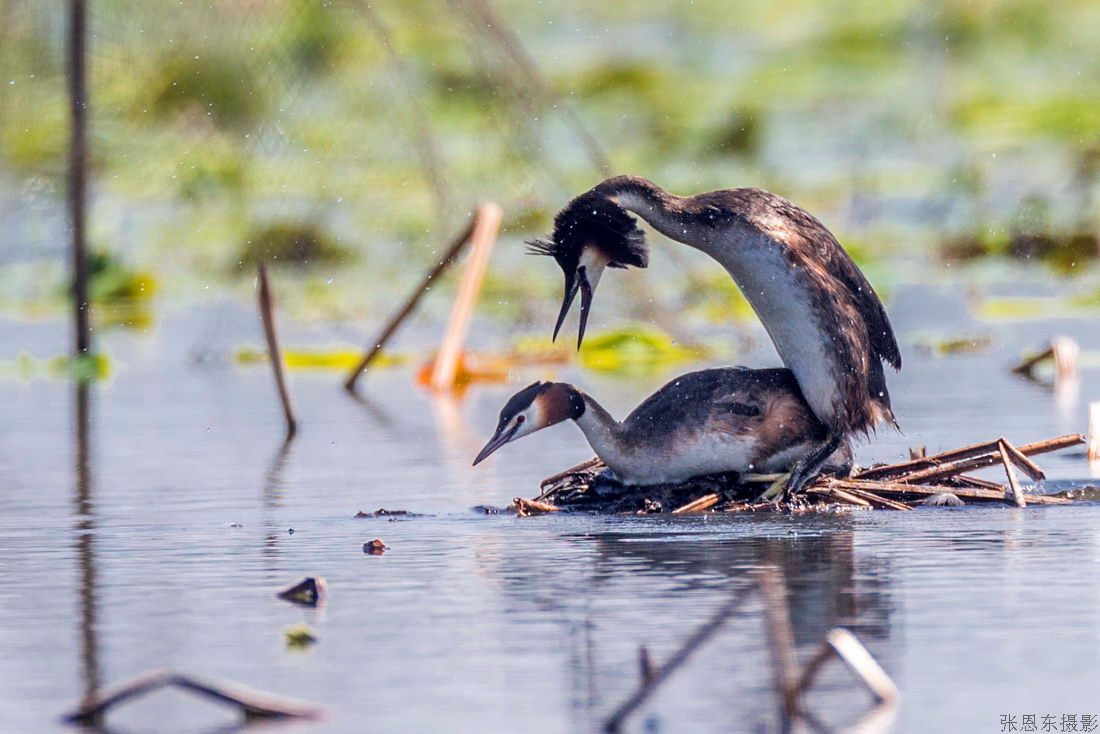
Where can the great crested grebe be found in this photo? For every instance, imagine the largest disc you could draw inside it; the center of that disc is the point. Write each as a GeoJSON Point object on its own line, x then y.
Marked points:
{"type": "Point", "coordinates": [714, 421]}
{"type": "Point", "coordinates": [826, 321]}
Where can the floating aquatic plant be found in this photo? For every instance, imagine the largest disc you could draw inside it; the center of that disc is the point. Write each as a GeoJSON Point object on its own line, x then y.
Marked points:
{"type": "Point", "coordinates": [85, 368]}
{"type": "Point", "coordinates": [337, 358]}
{"type": "Point", "coordinates": [634, 349]}
{"type": "Point", "coordinates": [298, 244]}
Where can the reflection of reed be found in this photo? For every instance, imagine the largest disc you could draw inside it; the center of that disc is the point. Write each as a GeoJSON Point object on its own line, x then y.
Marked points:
{"type": "Point", "coordinates": [273, 496]}
{"type": "Point", "coordinates": [85, 542]}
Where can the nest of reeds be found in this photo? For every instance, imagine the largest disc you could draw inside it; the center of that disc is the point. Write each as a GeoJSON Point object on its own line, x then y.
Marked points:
{"type": "Point", "coordinates": [940, 479]}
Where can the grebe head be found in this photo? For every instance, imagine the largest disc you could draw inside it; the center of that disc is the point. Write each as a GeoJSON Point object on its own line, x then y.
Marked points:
{"type": "Point", "coordinates": [533, 408]}
{"type": "Point", "coordinates": [591, 233]}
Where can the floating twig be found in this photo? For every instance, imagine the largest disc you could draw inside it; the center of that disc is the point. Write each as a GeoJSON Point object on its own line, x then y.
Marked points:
{"type": "Point", "coordinates": [453, 251]}
{"type": "Point", "coordinates": [878, 500]}
{"type": "Point", "coordinates": [271, 334]}
{"type": "Point", "coordinates": [697, 505]}
{"type": "Point", "coordinates": [525, 507]}
{"type": "Point", "coordinates": [678, 658]}
{"type": "Point", "coordinates": [484, 235]}
{"type": "Point", "coordinates": [252, 703]}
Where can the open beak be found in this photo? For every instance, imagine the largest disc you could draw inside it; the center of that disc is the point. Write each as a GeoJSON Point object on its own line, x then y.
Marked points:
{"type": "Point", "coordinates": [501, 438]}
{"type": "Point", "coordinates": [571, 287]}
{"type": "Point", "coordinates": [573, 284]}
{"type": "Point", "coordinates": [586, 306]}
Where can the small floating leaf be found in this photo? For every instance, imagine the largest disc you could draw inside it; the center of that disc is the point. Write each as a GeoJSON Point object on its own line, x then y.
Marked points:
{"type": "Point", "coordinates": [299, 636]}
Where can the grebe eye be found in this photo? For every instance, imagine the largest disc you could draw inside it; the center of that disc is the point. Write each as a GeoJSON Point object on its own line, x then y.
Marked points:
{"type": "Point", "coordinates": [520, 419]}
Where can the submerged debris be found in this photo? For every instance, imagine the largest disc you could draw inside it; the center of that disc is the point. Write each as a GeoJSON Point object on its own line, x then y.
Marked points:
{"type": "Point", "coordinates": [375, 547]}
{"type": "Point", "coordinates": [383, 512]}
{"type": "Point", "coordinates": [252, 704]}
{"type": "Point", "coordinates": [1063, 352]}
{"type": "Point", "coordinates": [310, 591]}
{"type": "Point", "coordinates": [938, 480]}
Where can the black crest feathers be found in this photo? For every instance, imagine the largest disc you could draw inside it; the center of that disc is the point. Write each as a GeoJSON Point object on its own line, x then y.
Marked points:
{"type": "Point", "coordinates": [594, 220]}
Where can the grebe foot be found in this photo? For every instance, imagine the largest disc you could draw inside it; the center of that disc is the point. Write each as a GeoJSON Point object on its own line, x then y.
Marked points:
{"type": "Point", "coordinates": [811, 465]}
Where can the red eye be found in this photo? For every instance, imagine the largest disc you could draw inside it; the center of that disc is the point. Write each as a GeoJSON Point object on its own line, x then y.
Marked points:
{"type": "Point", "coordinates": [520, 419]}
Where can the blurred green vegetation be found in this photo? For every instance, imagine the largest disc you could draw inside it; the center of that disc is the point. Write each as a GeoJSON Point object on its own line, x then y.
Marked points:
{"type": "Point", "coordinates": [285, 130]}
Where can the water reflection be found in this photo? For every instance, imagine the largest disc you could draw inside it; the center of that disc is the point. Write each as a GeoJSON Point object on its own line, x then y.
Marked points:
{"type": "Point", "coordinates": [85, 540]}
{"type": "Point", "coordinates": [273, 500]}
{"type": "Point", "coordinates": [825, 587]}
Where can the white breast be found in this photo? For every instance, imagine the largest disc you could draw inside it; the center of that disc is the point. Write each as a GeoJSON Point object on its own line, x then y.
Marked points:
{"type": "Point", "coordinates": [693, 458]}
{"type": "Point", "coordinates": [769, 283]}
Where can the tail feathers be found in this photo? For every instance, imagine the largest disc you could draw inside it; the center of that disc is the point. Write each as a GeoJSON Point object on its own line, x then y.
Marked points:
{"type": "Point", "coordinates": [881, 411]}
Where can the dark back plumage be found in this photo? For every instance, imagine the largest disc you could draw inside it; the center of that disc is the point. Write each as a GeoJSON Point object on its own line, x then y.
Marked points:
{"type": "Point", "coordinates": [767, 404]}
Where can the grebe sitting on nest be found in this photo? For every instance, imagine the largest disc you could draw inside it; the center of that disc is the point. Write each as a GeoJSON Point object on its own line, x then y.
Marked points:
{"type": "Point", "coordinates": [826, 321]}
{"type": "Point", "coordinates": [709, 422]}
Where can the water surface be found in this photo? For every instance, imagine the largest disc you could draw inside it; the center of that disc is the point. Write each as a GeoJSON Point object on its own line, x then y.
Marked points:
{"type": "Point", "coordinates": [148, 522]}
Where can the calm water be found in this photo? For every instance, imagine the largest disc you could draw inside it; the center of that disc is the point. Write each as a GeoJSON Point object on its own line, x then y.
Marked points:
{"type": "Point", "coordinates": [160, 540]}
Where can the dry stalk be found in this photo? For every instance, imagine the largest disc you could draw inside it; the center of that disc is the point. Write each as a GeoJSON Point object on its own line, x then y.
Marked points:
{"type": "Point", "coordinates": [1014, 493]}
{"type": "Point", "coordinates": [705, 502]}
{"type": "Point", "coordinates": [678, 658]}
{"type": "Point", "coordinates": [452, 253]}
{"type": "Point", "coordinates": [486, 226]}
{"type": "Point", "coordinates": [252, 703]}
{"type": "Point", "coordinates": [275, 354]}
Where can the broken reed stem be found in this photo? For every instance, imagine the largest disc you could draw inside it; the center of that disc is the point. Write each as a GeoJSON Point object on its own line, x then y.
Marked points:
{"type": "Point", "coordinates": [777, 615]}
{"type": "Point", "coordinates": [583, 466]}
{"type": "Point", "coordinates": [697, 505]}
{"type": "Point", "coordinates": [678, 658]}
{"type": "Point", "coordinates": [484, 235]}
{"type": "Point", "coordinates": [1027, 466]}
{"type": "Point", "coordinates": [252, 703]}
{"type": "Point", "coordinates": [271, 334]}
{"type": "Point", "coordinates": [1017, 494]}
{"type": "Point", "coordinates": [852, 652]}
{"type": "Point", "coordinates": [526, 507]}
{"type": "Point", "coordinates": [840, 495]}
{"type": "Point", "coordinates": [980, 456]}
{"type": "Point", "coordinates": [453, 251]}
{"type": "Point", "coordinates": [878, 500]}
{"type": "Point", "coordinates": [844, 645]}
{"type": "Point", "coordinates": [78, 174]}
{"type": "Point", "coordinates": [927, 490]}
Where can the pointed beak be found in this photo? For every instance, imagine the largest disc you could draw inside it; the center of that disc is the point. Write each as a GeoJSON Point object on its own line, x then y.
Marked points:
{"type": "Point", "coordinates": [586, 306]}
{"type": "Point", "coordinates": [498, 440]}
{"type": "Point", "coordinates": [571, 286]}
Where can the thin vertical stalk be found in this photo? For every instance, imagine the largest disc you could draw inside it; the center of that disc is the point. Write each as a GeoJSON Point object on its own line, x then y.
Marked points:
{"type": "Point", "coordinates": [274, 352]}
{"type": "Point", "coordinates": [78, 181]}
